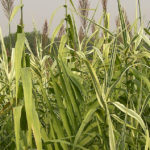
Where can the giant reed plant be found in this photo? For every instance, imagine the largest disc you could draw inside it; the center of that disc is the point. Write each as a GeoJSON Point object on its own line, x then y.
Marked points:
{"type": "Point", "coordinates": [96, 98]}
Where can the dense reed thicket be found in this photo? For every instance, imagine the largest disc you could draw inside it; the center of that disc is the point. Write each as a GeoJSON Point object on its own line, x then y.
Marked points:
{"type": "Point", "coordinates": [89, 91]}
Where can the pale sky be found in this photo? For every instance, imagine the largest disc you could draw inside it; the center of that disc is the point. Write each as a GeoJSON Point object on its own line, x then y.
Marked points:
{"type": "Point", "coordinates": [39, 10]}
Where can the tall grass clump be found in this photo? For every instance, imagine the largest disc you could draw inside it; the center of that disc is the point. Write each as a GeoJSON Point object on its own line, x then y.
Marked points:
{"type": "Point", "coordinates": [8, 6]}
{"type": "Point", "coordinates": [89, 94]}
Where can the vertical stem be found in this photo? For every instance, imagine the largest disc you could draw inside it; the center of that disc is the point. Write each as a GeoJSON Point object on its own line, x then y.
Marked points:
{"type": "Point", "coordinates": [10, 43]}
{"type": "Point", "coordinates": [136, 15]}
{"type": "Point", "coordinates": [140, 12]}
{"type": "Point", "coordinates": [21, 14]}
{"type": "Point", "coordinates": [66, 14]}
{"type": "Point", "coordinates": [105, 24]}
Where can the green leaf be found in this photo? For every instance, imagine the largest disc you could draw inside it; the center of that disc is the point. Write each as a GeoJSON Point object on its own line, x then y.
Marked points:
{"type": "Point", "coordinates": [122, 122]}
{"type": "Point", "coordinates": [19, 47]}
{"type": "Point", "coordinates": [4, 53]}
{"type": "Point", "coordinates": [36, 130]}
{"type": "Point", "coordinates": [52, 17]}
{"type": "Point", "coordinates": [32, 117]}
{"type": "Point", "coordinates": [61, 107]}
{"type": "Point", "coordinates": [14, 12]}
{"type": "Point", "coordinates": [55, 33]}
{"type": "Point", "coordinates": [65, 142]}
{"type": "Point", "coordinates": [85, 121]}
{"type": "Point", "coordinates": [17, 116]}
{"type": "Point", "coordinates": [112, 142]}
{"type": "Point", "coordinates": [62, 44]}
{"type": "Point", "coordinates": [131, 113]}
{"type": "Point", "coordinates": [96, 84]}
{"type": "Point", "coordinates": [123, 25]}
{"type": "Point", "coordinates": [27, 88]}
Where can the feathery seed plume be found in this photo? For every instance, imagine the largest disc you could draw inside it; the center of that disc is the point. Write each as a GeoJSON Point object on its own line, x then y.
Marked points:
{"type": "Point", "coordinates": [7, 7]}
